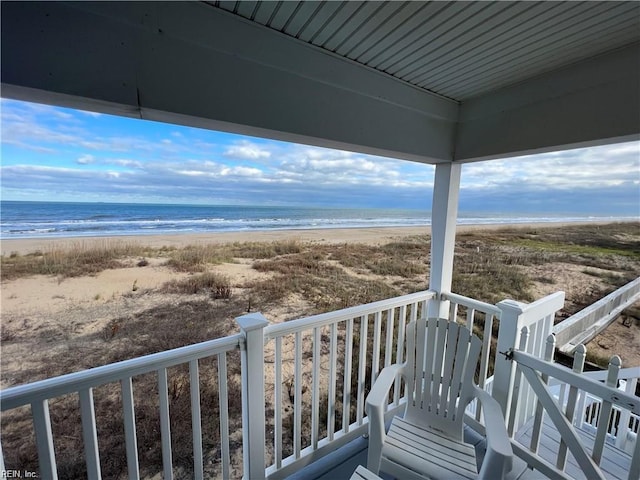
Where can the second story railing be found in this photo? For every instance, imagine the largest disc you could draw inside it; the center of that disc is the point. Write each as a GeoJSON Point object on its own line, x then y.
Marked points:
{"type": "Point", "coordinates": [319, 371]}
{"type": "Point", "coordinates": [587, 410]}
{"type": "Point", "coordinates": [171, 371]}
{"type": "Point", "coordinates": [565, 410]}
{"type": "Point", "coordinates": [296, 390]}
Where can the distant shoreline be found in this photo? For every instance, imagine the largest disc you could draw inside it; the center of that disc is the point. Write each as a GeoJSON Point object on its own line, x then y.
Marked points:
{"type": "Point", "coordinates": [367, 235]}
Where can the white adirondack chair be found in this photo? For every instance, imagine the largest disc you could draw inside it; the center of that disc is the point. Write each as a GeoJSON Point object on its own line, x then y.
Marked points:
{"type": "Point", "coordinates": [427, 442]}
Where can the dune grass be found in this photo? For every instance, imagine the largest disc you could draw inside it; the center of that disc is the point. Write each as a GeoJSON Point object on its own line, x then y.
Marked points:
{"type": "Point", "coordinates": [78, 260]}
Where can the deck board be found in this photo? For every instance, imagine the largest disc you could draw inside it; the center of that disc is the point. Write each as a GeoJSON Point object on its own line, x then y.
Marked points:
{"type": "Point", "coordinates": [615, 463]}
{"type": "Point", "coordinates": [341, 464]}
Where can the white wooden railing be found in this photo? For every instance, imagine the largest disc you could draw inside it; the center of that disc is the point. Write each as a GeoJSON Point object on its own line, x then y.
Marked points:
{"type": "Point", "coordinates": [321, 369]}
{"type": "Point", "coordinates": [518, 405]}
{"type": "Point", "coordinates": [304, 382]}
{"type": "Point", "coordinates": [589, 322]}
{"type": "Point", "coordinates": [588, 410]}
{"type": "Point", "coordinates": [37, 395]}
{"type": "Point", "coordinates": [539, 373]}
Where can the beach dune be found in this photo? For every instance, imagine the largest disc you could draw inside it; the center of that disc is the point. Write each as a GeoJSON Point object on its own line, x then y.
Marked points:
{"type": "Point", "coordinates": [367, 235]}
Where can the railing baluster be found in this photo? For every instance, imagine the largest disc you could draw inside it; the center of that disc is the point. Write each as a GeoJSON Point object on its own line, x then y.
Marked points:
{"type": "Point", "coordinates": [634, 470]}
{"type": "Point", "coordinates": [375, 360]}
{"type": "Point", "coordinates": [388, 346]}
{"type": "Point", "coordinates": [623, 423]}
{"type": "Point", "coordinates": [362, 367]}
{"type": "Point", "coordinates": [44, 439]}
{"type": "Point", "coordinates": [539, 413]}
{"type": "Point", "coordinates": [196, 420]}
{"type": "Point", "coordinates": [402, 322]}
{"type": "Point", "coordinates": [315, 389]}
{"type": "Point", "coordinates": [130, 438]}
{"type": "Point", "coordinates": [471, 313]}
{"type": "Point", "coordinates": [517, 382]}
{"type": "Point", "coordinates": [578, 366]}
{"type": "Point", "coordinates": [331, 400]}
{"type": "Point", "coordinates": [484, 358]}
{"type": "Point", "coordinates": [1, 458]}
{"type": "Point", "coordinates": [277, 387]}
{"type": "Point", "coordinates": [165, 424]}
{"type": "Point", "coordinates": [297, 399]}
{"type": "Point", "coordinates": [346, 384]}
{"type": "Point", "coordinates": [223, 399]}
{"type": "Point", "coordinates": [605, 412]}
{"type": "Point", "coordinates": [89, 434]}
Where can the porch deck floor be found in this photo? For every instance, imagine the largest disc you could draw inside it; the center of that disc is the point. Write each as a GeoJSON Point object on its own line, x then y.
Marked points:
{"type": "Point", "coordinates": [341, 464]}
{"type": "Point", "coordinates": [615, 463]}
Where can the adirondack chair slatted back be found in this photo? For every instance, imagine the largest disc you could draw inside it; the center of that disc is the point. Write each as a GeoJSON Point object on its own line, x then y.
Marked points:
{"type": "Point", "coordinates": [442, 357]}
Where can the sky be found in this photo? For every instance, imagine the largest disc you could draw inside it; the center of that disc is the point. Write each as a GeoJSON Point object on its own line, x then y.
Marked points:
{"type": "Point", "coordinates": [59, 154]}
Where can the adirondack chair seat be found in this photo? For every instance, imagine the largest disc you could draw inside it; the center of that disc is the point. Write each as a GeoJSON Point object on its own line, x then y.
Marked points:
{"type": "Point", "coordinates": [427, 441]}
{"type": "Point", "coordinates": [421, 449]}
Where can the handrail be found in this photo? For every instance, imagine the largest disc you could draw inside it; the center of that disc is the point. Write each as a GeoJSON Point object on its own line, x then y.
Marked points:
{"type": "Point", "coordinates": [73, 382]}
{"type": "Point", "coordinates": [589, 385]}
{"type": "Point", "coordinates": [471, 303]}
{"type": "Point", "coordinates": [581, 327]}
{"type": "Point", "coordinates": [286, 328]}
{"type": "Point", "coordinates": [624, 374]}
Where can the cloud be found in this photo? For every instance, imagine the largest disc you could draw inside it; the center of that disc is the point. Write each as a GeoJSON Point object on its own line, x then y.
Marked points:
{"type": "Point", "coordinates": [59, 153]}
{"type": "Point", "coordinates": [246, 150]}
{"type": "Point", "coordinates": [85, 160]}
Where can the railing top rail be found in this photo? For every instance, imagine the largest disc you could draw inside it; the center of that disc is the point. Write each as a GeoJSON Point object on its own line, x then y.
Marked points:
{"type": "Point", "coordinates": [532, 312]}
{"type": "Point", "coordinates": [582, 382]}
{"type": "Point", "coordinates": [286, 328]}
{"type": "Point", "coordinates": [73, 382]}
{"type": "Point", "coordinates": [471, 303]}
{"type": "Point", "coordinates": [623, 374]}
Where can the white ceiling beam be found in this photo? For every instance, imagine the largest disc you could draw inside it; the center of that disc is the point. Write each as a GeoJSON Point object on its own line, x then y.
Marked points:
{"type": "Point", "coordinates": [594, 102]}
{"type": "Point", "coordinates": [192, 64]}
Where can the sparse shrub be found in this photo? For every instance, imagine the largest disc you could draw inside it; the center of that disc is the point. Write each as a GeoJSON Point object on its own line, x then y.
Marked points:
{"type": "Point", "coordinates": [196, 258]}
{"type": "Point", "coordinates": [219, 286]}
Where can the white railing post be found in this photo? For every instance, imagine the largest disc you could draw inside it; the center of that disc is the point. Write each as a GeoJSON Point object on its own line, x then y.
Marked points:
{"type": "Point", "coordinates": [508, 337]}
{"type": "Point", "coordinates": [253, 401]}
{"type": "Point", "coordinates": [538, 318]}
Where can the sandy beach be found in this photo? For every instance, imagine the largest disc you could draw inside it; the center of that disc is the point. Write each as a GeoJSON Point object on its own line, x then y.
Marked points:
{"type": "Point", "coordinates": [83, 305]}
{"type": "Point", "coordinates": [369, 236]}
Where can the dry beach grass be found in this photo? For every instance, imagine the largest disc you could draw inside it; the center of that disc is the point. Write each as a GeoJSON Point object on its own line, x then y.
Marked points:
{"type": "Point", "coordinates": [78, 305]}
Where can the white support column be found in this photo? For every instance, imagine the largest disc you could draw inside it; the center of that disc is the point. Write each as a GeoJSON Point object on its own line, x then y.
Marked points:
{"type": "Point", "coordinates": [444, 214]}
{"type": "Point", "coordinates": [253, 402]}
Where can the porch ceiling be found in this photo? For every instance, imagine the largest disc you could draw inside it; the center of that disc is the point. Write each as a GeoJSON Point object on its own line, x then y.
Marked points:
{"type": "Point", "coordinates": [424, 81]}
{"type": "Point", "coordinates": [457, 49]}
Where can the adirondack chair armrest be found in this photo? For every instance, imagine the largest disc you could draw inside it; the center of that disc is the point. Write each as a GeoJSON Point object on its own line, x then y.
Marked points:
{"type": "Point", "coordinates": [499, 455]}
{"type": "Point", "coordinates": [375, 407]}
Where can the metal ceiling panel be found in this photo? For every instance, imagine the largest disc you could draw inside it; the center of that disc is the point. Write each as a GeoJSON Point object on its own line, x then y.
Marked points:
{"type": "Point", "coordinates": [457, 49]}
{"type": "Point", "coordinates": [384, 31]}
{"type": "Point", "coordinates": [315, 24]}
{"type": "Point", "coordinates": [340, 18]}
{"type": "Point", "coordinates": [303, 15]}
{"type": "Point", "coordinates": [520, 58]}
{"type": "Point", "coordinates": [264, 13]}
{"type": "Point", "coordinates": [474, 43]}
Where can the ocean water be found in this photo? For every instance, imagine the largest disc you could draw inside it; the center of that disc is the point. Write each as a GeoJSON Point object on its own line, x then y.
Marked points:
{"type": "Point", "coordinates": [61, 219]}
